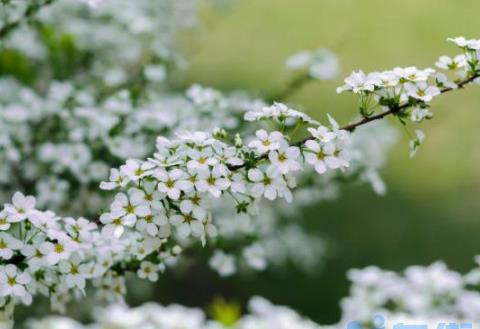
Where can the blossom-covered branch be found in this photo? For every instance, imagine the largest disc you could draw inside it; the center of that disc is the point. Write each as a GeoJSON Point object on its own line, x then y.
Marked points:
{"type": "Point", "coordinates": [396, 110]}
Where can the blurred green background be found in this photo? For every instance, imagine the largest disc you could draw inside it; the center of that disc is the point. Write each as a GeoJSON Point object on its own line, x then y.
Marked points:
{"type": "Point", "coordinates": [431, 211]}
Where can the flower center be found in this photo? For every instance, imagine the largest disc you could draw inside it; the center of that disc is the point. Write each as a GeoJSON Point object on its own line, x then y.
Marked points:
{"type": "Point", "coordinates": [195, 200]}
{"type": "Point", "coordinates": [453, 66]}
{"type": "Point", "coordinates": [12, 281]}
{"type": "Point", "coordinates": [149, 219]}
{"type": "Point", "coordinates": [59, 248]}
{"type": "Point", "coordinates": [130, 209]}
{"type": "Point", "coordinates": [188, 218]}
{"type": "Point", "coordinates": [74, 269]}
{"type": "Point", "coordinates": [211, 180]}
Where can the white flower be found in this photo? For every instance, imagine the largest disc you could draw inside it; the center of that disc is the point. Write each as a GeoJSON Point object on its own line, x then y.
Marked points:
{"type": "Point", "coordinates": [195, 203]}
{"type": "Point", "coordinates": [75, 273]}
{"type": "Point", "coordinates": [155, 73]}
{"type": "Point", "coordinates": [187, 225]}
{"type": "Point", "coordinates": [203, 96]}
{"type": "Point", "coordinates": [359, 82]}
{"type": "Point", "coordinates": [20, 207]}
{"type": "Point", "coordinates": [223, 263]}
{"type": "Point", "coordinates": [228, 155]}
{"type": "Point", "coordinates": [285, 158]}
{"type": "Point", "coordinates": [213, 181]}
{"type": "Point", "coordinates": [320, 156]}
{"type": "Point", "coordinates": [13, 283]}
{"type": "Point", "coordinates": [60, 250]}
{"type": "Point", "coordinates": [299, 61]}
{"type": "Point", "coordinates": [80, 228]}
{"type": "Point", "coordinates": [173, 182]}
{"type": "Point", "coordinates": [46, 221]}
{"type": "Point", "coordinates": [8, 245]}
{"type": "Point", "coordinates": [280, 112]}
{"type": "Point", "coordinates": [413, 74]}
{"type": "Point", "coordinates": [422, 91]}
{"type": "Point", "coordinates": [320, 64]}
{"type": "Point", "coordinates": [36, 258]}
{"type": "Point", "coordinates": [4, 223]}
{"type": "Point", "coordinates": [325, 65]}
{"type": "Point", "coordinates": [150, 224]}
{"type": "Point", "coordinates": [416, 142]}
{"type": "Point", "coordinates": [268, 184]}
{"type": "Point", "coordinates": [452, 64]}
{"type": "Point", "coordinates": [266, 142]}
{"type": "Point", "coordinates": [443, 82]}
{"type": "Point", "coordinates": [389, 79]}
{"type": "Point", "coordinates": [130, 208]}
{"type": "Point", "coordinates": [149, 193]}
{"type": "Point", "coordinates": [117, 179]}
{"type": "Point", "coordinates": [147, 271]}
{"type": "Point", "coordinates": [471, 44]}
{"type": "Point", "coordinates": [322, 133]}
{"type": "Point", "coordinates": [115, 225]}
{"type": "Point", "coordinates": [201, 161]}
{"type": "Point", "coordinates": [146, 246]}
{"type": "Point", "coordinates": [419, 114]}
{"type": "Point", "coordinates": [135, 169]}
{"type": "Point", "coordinates": [255, 257]}
{"type": "Point", "coordinates": [209, 228]}
{"type": "Point", "coordinates": [238, 183]}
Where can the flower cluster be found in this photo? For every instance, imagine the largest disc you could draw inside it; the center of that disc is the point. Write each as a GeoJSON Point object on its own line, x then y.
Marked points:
{"type": "Point", "coordinates": [408, 92]}
{"type": "Point", "coordinates": [126, 38]}
{"type": "Point", "coordinates": [422, 292]}
{"type": "Point", "coordinates": [164, 201]}
{"type": "Point", "coordinates": [45, 254]}
{"type": "Point", "coordinates": [174, 188]}
{"type": "Point", "coordinates": [262, 314]}
{"type": "Point", "coordinates": [63, 144]}
{"type": "Point", "coordinates": [59, 140]}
